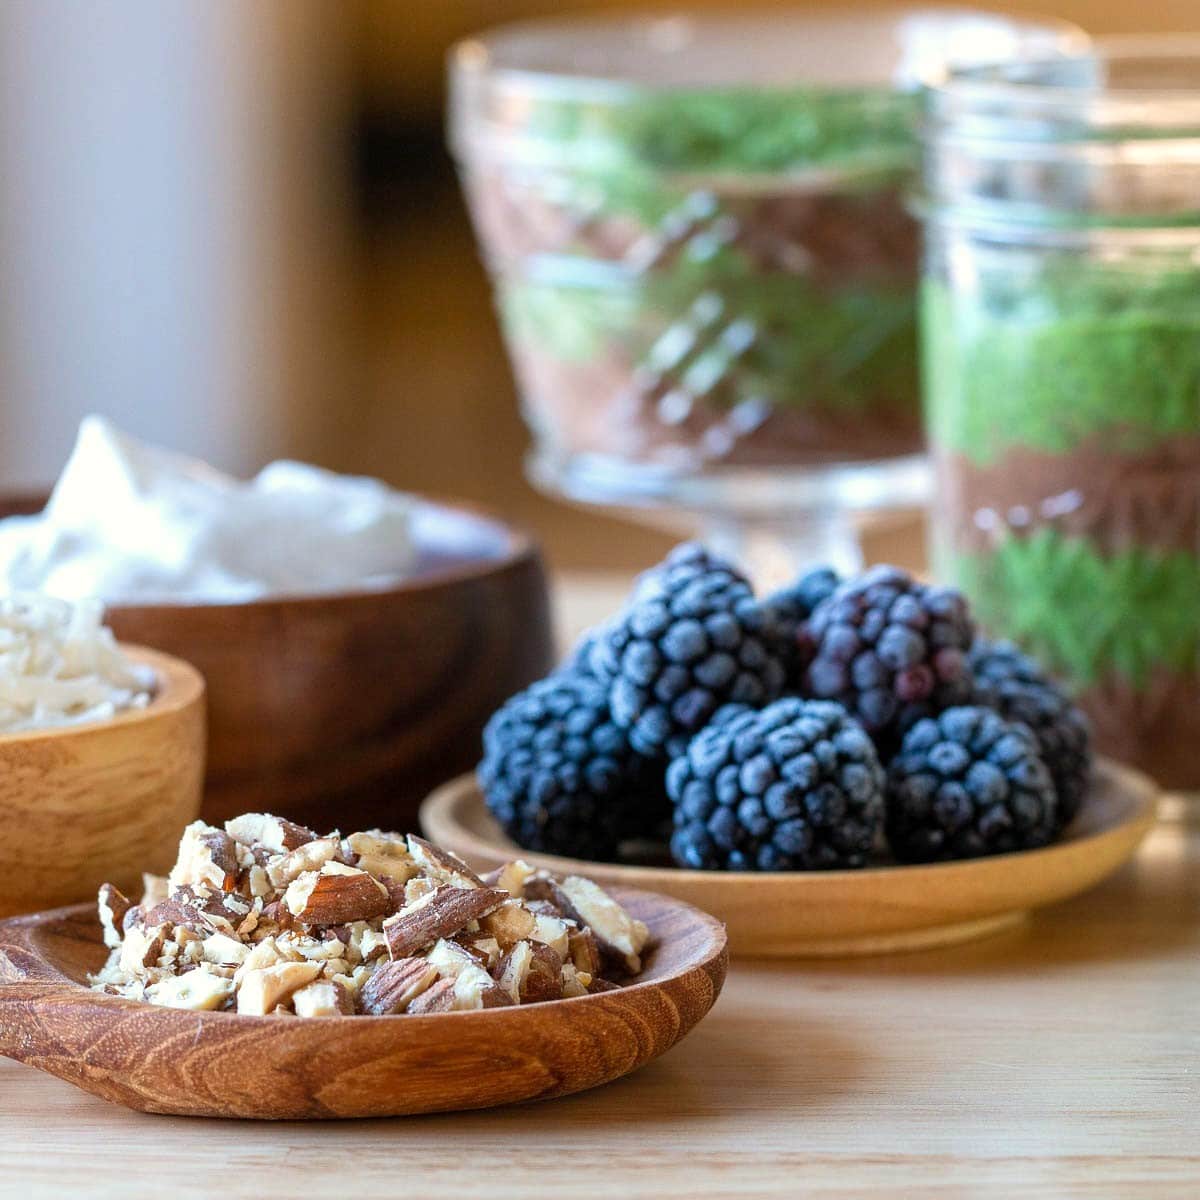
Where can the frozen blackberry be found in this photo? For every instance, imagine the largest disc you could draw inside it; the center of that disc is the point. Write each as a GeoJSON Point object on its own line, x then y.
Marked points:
{"type": "Point", "coordinates": [797, 602]}
{"type": "Point", "coordinates": [1014, 685]}
{"type": "Point", "coordinates": [788, 610]}
{"type": "Point", "coordinates": [560, 777]}
{"type": "Point", "coordinates": [968, 783]}
{"type": "Point", "coordinates": [891, 650]}
{"type": "Point", "coordinates": [794, 786]}
{"type": "Point", "coordinates": [691, 639]}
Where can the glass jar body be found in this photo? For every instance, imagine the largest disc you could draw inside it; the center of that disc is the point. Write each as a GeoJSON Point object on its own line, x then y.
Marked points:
{"type": "Point", "coordinates": [679, 307]}
{"type": "Point", "coordinates": [1062, 391]}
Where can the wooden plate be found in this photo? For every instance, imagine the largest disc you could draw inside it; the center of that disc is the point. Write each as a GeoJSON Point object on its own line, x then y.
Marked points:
{"type": "Point", "coordinates": [822, 914]}
{"type": "Point", "coordinates": [224, 1065]}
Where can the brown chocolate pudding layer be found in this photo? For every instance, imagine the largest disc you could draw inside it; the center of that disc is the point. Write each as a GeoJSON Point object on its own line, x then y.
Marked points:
{"type": "Point", "coordinates": [1116, 499]}
{"type": "Point", "coordinates": [826, 236]}
{"type": "Point", "coordinates": [598, 408]}
{"type": "Point", "coordinates": [1156, 727]}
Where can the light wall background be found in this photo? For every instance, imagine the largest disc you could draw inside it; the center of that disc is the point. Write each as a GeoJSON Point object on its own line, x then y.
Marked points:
{"type": "Point", "coordinates": [232, 226]}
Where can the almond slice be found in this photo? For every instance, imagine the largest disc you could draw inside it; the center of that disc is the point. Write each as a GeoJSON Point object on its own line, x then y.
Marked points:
{"type": "Point", "coordinates": [262, 991]}
{"type": "Point", "coordinates": [511, 877]}
{"type": "Point", "coordinates": [618, 934]}
{"type": "Point", "coordinates": [437, 999]}
{"type": "Point", "coordinates": [323, 998]}
{"type": "Point", "coordinates": [395, 985]}
{"type": "Point", "coordinates": [543, 981]}
{"type": "Point", "coordinates": [220, 948]}
{"type": "Point", "coordinates": [207, 858]}
{"type": "Point", "coordinates": [509, 924]}
{"type": "Point", "coordinates": [553, 932]}
{"type": "Point", "coordinates": [197, 991]}
{"type": "Point", "coordinates": [274, 833]}
{"type": "Point", "coordinates": [438, 914]}
{"type": "Point", "coordinates": [514, 968]}
{"type": "Point", "coordinates": [141, 948]}
{"type": "Point", "coordinates": [574, 982]}
{"type": "Point", "coordinates": [312, 856]}
{"type": "Point", "coordinates": [474, 988]}
{"type": "Point", "coordinates": [201, 913]}
{"type": "Point", "coordinates": [484, 949]}
{"type": "Point", "coordinates": [384, 855]}
{"type": "Point", "coordinates": [335, 895]}
{"type": "Point", "coordinates": [112, 906]}
{"type": "Point", "coordinates": [583, 951]}
{"type": "Point", "coordinates": [441, 865]}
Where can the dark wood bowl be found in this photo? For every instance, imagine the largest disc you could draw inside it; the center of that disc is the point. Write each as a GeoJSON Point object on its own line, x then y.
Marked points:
{"type": "Point", "coordinates": [343, 710]}
{"type": "Point", "coordinates": [226, 1065]}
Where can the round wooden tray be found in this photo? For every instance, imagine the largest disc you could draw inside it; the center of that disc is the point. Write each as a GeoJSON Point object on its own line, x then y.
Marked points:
{"type": "Point", "coordinates": [224, 1065]}
{"type": "Point", "coordinates": [821, 914]}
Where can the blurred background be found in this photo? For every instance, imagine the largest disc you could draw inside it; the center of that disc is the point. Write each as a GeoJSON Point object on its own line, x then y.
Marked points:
{"type": "Point", "coordinates": [234, 228]}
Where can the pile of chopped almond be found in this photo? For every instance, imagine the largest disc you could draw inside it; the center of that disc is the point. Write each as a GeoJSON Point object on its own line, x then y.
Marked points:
{"type": "Point", "coordinates": [265, 916]}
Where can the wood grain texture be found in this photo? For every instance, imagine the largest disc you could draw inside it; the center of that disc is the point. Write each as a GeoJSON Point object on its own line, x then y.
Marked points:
{"type": "Point", "coordinates": [343, 711]}
{"type": "Point", "coordinates": [101, 802]}
{"type": "Point", "coordinates": [835, 913]}
{"type": "Point", "coordinates": [226, 1065]}
{"type": "Point", "coordinates": [1056, 1059]}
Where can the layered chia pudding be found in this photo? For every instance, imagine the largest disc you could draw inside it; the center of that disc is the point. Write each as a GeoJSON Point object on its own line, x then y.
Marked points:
{"type": "Point", "coordinates": [698, 237]}
{"type": "Point", "coordinates": [1061, 327]}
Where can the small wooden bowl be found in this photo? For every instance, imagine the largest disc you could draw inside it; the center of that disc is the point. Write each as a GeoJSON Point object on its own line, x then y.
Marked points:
{"type": "Point", "coordinates": [224, 1065]}
{"type": "Point", "coordinates": [820, 914]}
{"type": "Point", "coordinates": [344, 710]}
{"type": "Point", "coordinates": [86, 804]}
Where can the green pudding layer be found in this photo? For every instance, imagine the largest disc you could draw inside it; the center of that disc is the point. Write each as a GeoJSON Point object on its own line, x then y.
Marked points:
{"type": "Point", "coordinates": [624, 154]}
{"type": "Point", "coordinates": [1085, 615]}
{"type": "Point", "coordinates": [1045, 363]}
{"type": "Point", "coordinates": [1048, 357]}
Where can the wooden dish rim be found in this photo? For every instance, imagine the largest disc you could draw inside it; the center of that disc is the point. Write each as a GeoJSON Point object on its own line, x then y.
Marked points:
{"type": "Point", "coordinates": [42, 972]}
{"type": "Point", "coordinates": [1137, 783]}
{"type": "Point", "coordinates": [519, 547]}
{"type": "Point", "coordinates": [179, 685]}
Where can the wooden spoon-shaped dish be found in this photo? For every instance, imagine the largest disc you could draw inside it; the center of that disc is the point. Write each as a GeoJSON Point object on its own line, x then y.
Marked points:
{"type": "Point", "coordinates": [224, 1065]}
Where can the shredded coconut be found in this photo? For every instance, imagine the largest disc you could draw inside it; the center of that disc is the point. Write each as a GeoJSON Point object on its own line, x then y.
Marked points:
{"type": "Point", "coordinates": [61, 665]}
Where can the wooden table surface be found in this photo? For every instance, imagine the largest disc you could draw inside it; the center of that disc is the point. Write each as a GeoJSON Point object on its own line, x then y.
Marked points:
{"type": "Point", "coordinates": [1058, 1059]}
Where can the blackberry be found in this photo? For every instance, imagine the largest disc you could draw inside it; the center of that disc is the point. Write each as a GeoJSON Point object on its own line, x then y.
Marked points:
{"type": "Point", "coordinates": [560, 777]}
{"type": "Point", "coordinates": [968, 783]}
{"type": "Point", "coordinates": [795, 786]}
{"type": "Point", "coordinates": [691, 639]}
{"type": "Point", "coordinates": [789, 609]}
{"type": "Point", "coordinates": [1014, 685]}
{"type": "Point", "coordinates": [891, 650]}
{"type": "Point", "coordinates": [797, 601]}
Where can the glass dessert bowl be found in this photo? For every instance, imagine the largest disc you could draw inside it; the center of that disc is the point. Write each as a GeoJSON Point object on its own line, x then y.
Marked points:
{"type": "Point", "coordinates": [703, 264]}
{"type": "Point", "coordinates": [1061, 318]}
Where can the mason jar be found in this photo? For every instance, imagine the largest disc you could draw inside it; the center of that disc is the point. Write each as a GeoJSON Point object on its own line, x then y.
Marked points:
{"type": "Point", "coordinates": [701, 253]}
{"type": "Point", "coordinates": [1060, 314]}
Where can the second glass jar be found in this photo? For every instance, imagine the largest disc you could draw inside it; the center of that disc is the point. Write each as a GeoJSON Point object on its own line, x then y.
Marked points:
{"type": "Point", "coordinates": [1061, 329]}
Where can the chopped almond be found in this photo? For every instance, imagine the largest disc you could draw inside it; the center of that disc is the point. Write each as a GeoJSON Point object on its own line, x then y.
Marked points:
{"type": "Point", "coordinates": [266, 918]}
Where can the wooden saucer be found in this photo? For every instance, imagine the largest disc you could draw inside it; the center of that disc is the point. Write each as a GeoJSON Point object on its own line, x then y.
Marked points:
{"type": "Point", "coordinates": [224, 1065]}
{"type": "Point", "coordinates": [822, 914]}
